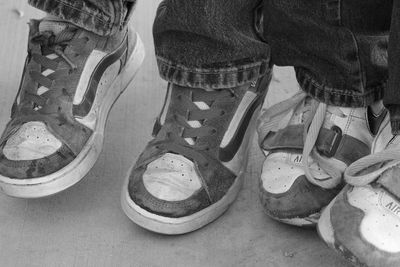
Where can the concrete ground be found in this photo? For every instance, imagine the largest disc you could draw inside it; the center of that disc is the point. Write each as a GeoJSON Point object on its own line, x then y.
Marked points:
{"type": "Point", "coordinates": [85, 226]}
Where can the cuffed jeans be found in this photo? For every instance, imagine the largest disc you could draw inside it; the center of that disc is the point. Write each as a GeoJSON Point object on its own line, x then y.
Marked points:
{"type": "Point", "coordinates": [339, 48]}
{"type": "Point", "coordinates": [103, 17]}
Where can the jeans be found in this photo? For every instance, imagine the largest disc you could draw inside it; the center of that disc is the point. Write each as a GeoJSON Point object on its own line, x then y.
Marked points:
{"type": "Point", "coordinates": [103, 17]}
{"type": "Point", "coordinates": [339, 48]}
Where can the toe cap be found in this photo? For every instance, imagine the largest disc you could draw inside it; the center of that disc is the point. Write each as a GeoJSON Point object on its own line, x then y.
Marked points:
{"type": "Point", "coordinates": [31, 141]}
{"type": "Point", "coordinates": [285, 191]}
{"type": "Point", "coordinates": [171, 177]}
{"type": "Point", "coordinates": [152, 187]}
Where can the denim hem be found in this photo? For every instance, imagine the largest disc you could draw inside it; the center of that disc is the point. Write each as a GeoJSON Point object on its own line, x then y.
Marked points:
{"type": "Point", "coordinates": [212, 78]}
{"type": "Point", "coordinates": [96, 22]}
{"type": "Point", "coordinates": [338, 97]}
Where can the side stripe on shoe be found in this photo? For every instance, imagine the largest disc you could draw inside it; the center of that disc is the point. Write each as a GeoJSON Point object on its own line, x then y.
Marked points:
{"type": "Point", "coordinates": [236, 131]}
{"type": "Point", "coordinates": [87, 87]}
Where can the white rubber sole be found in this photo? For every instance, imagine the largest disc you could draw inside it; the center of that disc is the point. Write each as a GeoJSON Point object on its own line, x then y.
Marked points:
{"type": "Point", "coordinates": [324, 227]}
{"type": "Point", "coordinates": [80, 166]}
{"type": "Point", "coordinates": [182, 225]}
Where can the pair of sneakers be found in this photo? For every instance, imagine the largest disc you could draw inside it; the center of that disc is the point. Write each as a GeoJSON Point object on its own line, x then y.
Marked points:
{"type": "Point", "coordinates": [336, 168]}
{"type": "Point", "coordinates": [192, 170]}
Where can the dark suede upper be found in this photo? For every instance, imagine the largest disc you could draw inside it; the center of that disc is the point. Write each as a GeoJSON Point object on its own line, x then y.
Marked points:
{"type": "Point", "coordinates": [330, 143]}
{"type": "Point", "coordinates": [27, 169]}
{"type": "Point", "coordinates": [301, 200]}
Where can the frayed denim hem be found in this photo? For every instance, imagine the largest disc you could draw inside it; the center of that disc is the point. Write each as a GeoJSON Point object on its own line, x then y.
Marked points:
{"type": "Point", "coordinates": [213, 78]}
{"type": "Point", "coordinates": [338, 97]}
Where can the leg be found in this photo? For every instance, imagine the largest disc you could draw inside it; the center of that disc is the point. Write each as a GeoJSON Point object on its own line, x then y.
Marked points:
{"type": "Point", "coordinates": [362, 223]}
{"type": "Point", "coordinates": [338, 48]}
{"type": "Point", "coordinates": [103, 17]}
{"type": "Point", "coordinates": [209, 44]}
{"type": "Point", "coordinates": [218, 69]}
{"type": "Point", "coordinates": [392, 96]}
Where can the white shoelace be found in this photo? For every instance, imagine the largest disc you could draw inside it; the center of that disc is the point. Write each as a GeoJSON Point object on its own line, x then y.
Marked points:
{"type": "Point", "coordinates": [271, 118]}
{"type": "Point", "coordinates": [385, 160]}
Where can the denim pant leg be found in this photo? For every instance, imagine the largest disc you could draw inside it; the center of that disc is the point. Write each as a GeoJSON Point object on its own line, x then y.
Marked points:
{"type": "Point", "coordinates": [210, 43]}
{"type": "Point", "coordinates": [338, 47]}
{"type": "Point", "coordinates": [392, 94]}
{"type": "Point", "coordinates": [103, 17]}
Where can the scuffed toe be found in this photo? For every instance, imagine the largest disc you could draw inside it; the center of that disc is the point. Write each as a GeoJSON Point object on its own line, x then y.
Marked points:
{"type": "Point", "coordinates": [285, 192]}
{"type": "Point", "coordinates": [32, 141]}
{"type": "Point", "coordinates": [171, 177]}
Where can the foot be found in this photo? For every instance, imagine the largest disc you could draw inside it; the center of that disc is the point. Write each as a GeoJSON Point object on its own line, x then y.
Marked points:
{"type": "Point", "coordinates": [302, 171]}
{"type": "Point", "coordinates": [70, 81]}
{"type": "Point", "coordinates": [363, 222]}
{"type": "Point", "coordinates": [193, 169]}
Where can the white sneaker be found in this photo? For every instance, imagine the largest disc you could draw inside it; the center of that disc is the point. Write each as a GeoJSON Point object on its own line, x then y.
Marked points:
{"type": "Point", "coordinates": [363, 222]}
{"type": "Point", "coordinates": [303, 170]}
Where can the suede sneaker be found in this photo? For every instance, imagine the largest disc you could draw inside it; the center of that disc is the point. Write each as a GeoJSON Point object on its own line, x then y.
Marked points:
{"type": "Point", "coordinates": [363, 222]}
{"type": "Point", "coordinates": [70, 81]}
{"type": "Point", "coordinates": [308, 145]}
{"type": "Point", "coordinates": [193, 169]}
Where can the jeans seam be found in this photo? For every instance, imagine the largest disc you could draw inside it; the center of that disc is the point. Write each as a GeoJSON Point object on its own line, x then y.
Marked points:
{"type": "Point", "coordinates": [179, 67]}
{"type": "Point", "coordinates": [333, 90]}
{"type": "Point", "coordinates": [215, 79]}
{"type": "Point", "coordinates": [334, 96]}
{"type": "Point", "coordinates": [103, 21]}
{"type": "Point", "coordinates": [361, 76]}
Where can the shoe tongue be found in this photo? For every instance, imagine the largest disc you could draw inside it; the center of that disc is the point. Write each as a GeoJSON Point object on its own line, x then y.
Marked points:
{"type": "Point", "coordinates": [302, 112]}
{"type": "Point", "coordinates": [54, 26]}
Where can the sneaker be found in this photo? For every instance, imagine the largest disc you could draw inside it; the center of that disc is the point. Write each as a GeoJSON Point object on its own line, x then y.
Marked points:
{"type": "Point", "coordinates": [303, 170]}
{"type": "Point", "coordinates": [363, 222]}
{"type": "Point", "coordinates": [70, 81]}
{"type": "Point", "coordinates": [193, 169]}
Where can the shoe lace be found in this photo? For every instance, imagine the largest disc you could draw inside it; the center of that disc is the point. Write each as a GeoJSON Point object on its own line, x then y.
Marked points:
{"type": "Point", "coordinates": [49, 59]}
{"type": "Point", "coordinates": [199, 107]}
{"type": "Point", "coordinates": [271, 120]}
{"type": "Point", "coordinates": [369, 168]}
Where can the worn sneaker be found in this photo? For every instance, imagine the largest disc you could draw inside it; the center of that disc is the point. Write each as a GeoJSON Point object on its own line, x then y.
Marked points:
{"type": "Point", "coordinates": [193, 169]}
{"type": "Point", "coordinates": [303, 170]}
{"type": "Point", "coordinates": [70, 81]}
{"type": "Point", "coordinates": [363, 222]}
